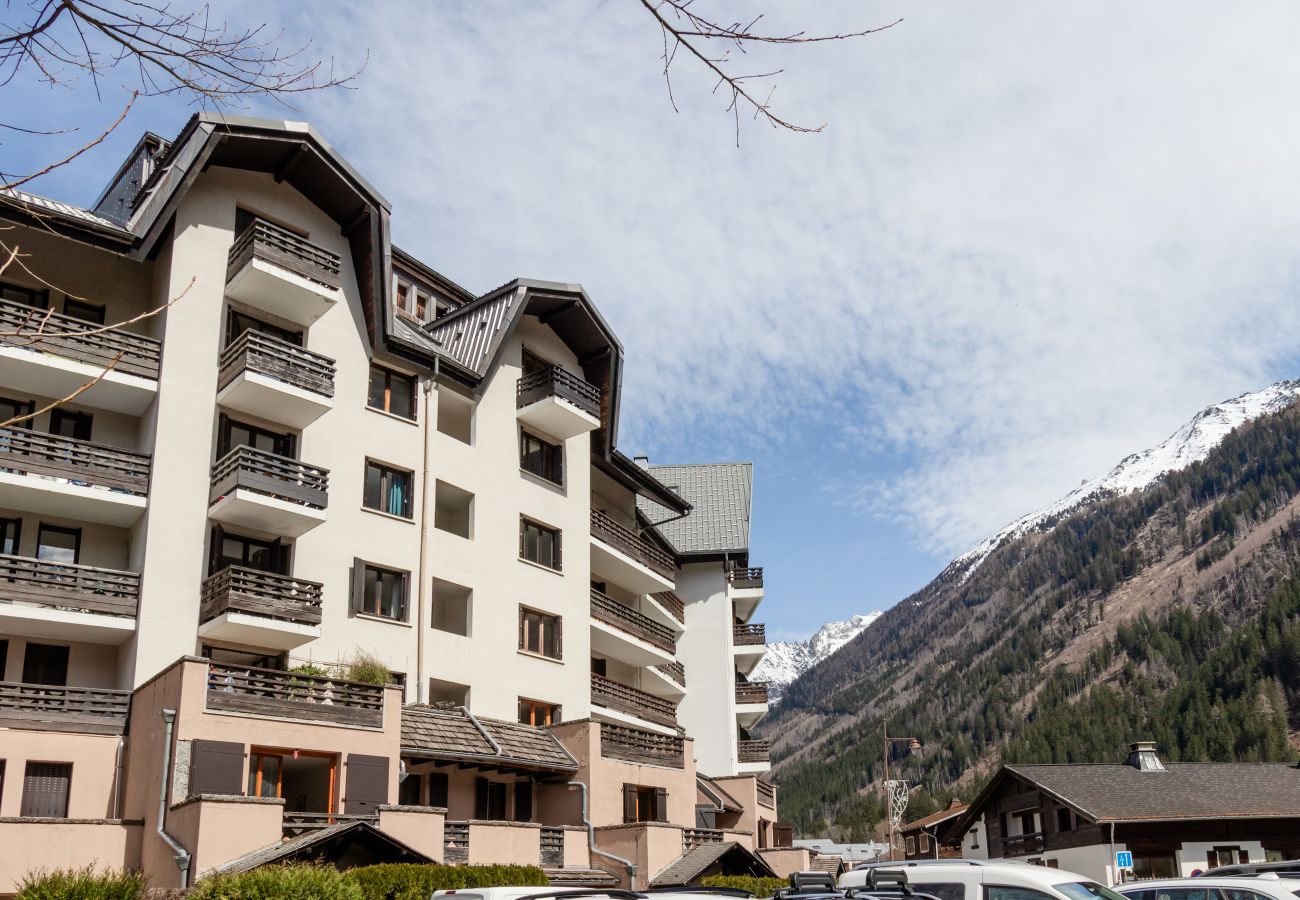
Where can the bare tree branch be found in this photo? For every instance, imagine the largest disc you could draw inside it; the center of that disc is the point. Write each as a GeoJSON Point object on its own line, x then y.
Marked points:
{"type": "Point", "coordinates": [54, 404]}
{"type": "Point", "coordinates": [18, 181]}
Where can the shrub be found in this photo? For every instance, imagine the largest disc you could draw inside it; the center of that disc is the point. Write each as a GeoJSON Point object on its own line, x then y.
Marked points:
{"type": "Point", "coordinates": [81, 884]}
{"type": "Point", "coordinates": [292, 882]}
{"type": "Point", "coordinates": [411, 881]}
{"type": "Point", "coordinates": [759, 887]}
{"type": "Point", "coordinates": [367, 669]}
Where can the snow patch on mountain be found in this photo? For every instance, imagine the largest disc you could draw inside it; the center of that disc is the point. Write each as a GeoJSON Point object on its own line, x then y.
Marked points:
{"type": "Point", "coordinates": [787, 660]}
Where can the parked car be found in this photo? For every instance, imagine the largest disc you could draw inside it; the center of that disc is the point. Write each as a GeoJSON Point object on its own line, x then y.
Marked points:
{"type": "Point", "coordinates": [536, 893]}
{"type": "Point", "coordinates": [971, 879]}
{"type": "Point", "coordinates": [1288, 869]}
{"type": "Point", "coordinates": [1264, 886]}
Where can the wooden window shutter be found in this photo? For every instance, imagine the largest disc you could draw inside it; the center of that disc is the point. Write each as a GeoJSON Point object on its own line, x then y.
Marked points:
{"type": "Point", "coordinates": [357, 602]}
{"type": "Point", "coordinates": [45, 790]}
{"type": "Point", "coordinates": [481, 798]}
{"type": "Point", "coordinates": [523, 801]}
{"type": "Point", "coordinates": [522, 645]}
{"type": "Point", "coordinates": [367, 784]}
{"type": "Point", "coordinates": [214, 551]}
{"type": "Point", "coordinates": [216, 767]}
{"type": "Point", "coordinates": [629, 803]}
{"type": "Point", "coordinates": [522, 529]}
{"type": "Point", "coordinates": [559, 543]}
{"type": "Point", "coordinates": [438, 789]}
{"type": "Point", "coordinates": [559, 638]}
{"type": "Point", "coordinates": [661, 804]}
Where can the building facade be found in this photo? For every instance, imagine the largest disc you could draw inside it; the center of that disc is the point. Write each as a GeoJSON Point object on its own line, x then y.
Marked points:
{"type": "Point", "coordinates": [307, 457]}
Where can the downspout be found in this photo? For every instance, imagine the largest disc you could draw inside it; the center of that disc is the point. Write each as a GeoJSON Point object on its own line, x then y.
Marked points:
{"type": "Point", "coordinates": [117, 778]}
{"type": "Point", "coordinates": [1112, 857]}
{"type": "Point", "coordinates": [487, 736]}
{"type": "Point", "coordinates": [423, 592]}
{"type": "Point", "coordinates": [627, 864]}
{"type": "Point", "coordinates": [182, 855]}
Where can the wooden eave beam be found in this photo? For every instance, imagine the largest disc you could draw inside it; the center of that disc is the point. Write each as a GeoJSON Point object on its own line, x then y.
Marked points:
{"type": "Point", "coordinates": [291, 161]}
{"type": "Point", "coordinates": [562, 309]}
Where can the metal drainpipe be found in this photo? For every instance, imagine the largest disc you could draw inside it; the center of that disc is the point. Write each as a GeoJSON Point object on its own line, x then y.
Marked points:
{"type": "Point", "coordinates": [117, 778]}
{"type": "Point", "coordinates": [423, 592]}
{"type": "Point", "coordinates": [487, 736]}
{"type": "Point", "coordinates": [1109, 877]}
{"type": "Point", "coordinates": [591, 840]}
{"type": "Point", "coordinates": [182, 855]}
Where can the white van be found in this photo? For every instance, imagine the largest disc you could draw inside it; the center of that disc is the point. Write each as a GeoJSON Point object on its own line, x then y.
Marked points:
{"type": "Point", "coordinates": [972, 879]}
{"type": "Point", "coordinates": [1266, 886]}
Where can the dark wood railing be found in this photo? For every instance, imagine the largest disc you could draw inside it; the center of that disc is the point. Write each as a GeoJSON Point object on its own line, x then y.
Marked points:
{"type": "Point", "coordinates": [672, 603]}
{"type": "Point", "coordinates": [746, 578]}
{"type": "Point", "coordinates": [748, 634]}
{"type": "Point", "coordinates": [635, 702]}
{"type": "Point", "coordinates": [298, 823]}
{"type": "Point", "coordinates": [291, 695]}
{"type": "Point", "coordinates": [1022, 843]}
{"type": "Point", "coordinates": [606, 529]}
{"type": "Point", "coordinates": [270, 474]}
{"type": "Point", "coordinates": [46, 707]}
{"type": "Point", "coordinates": [48, 332]}
{"type": "Point", "coordinates": [635, 623]}
{"type": "Point", "coordinates": [65, 586]}
{"type": "Point", "coordinates": [556, 381]}
{"type": "Point", "coordinates": [766, 793]}
{"type": "Point", "coordinates": [751, 692]}
{"type": "Point", "coordinates": [552, 846]}
{"type": "Point", "coordinates": [753, 751]}
{"type": "Point", "coordinates": [634, 745]}
{"type": "Point", "coordinates": [455, 842]}
{"type": "Point", "coordinates": [674, 670]}
{"type": "Point", "coordinates": [694, 837]}
{"type": "Point", "coordinates": [265, 355]}
{"type": "Point", "coordinates": [258, 593]}
{"type": "Point", "coordinates": [285, 249]}
{"type": "Point", "coordinates": [47, 454]}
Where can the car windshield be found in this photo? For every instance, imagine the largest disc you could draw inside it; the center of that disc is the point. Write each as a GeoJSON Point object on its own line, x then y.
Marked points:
{"type": "Point", "coordinates": [1087, 890]}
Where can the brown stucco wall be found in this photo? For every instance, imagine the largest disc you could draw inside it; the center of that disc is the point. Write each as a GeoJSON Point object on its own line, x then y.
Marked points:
{"type": "Point", "coordinates": [93, 758]}
{"type": "Point", "coordinates": [419, 827]}
{"type": "Point", "coordinates": [29, 845]}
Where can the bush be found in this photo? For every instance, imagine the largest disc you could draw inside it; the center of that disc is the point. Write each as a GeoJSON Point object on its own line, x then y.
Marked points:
{"type": "Point", "coordinates": [411, 881]}
{"type": "Point", "coordinates": [367, 669]}
{"type": "Point", "coordinates": [759, 887]}
{"type": "Point", "coordinates": [81, 884]}
{"type": "Point", "coordinates": [292, 882]}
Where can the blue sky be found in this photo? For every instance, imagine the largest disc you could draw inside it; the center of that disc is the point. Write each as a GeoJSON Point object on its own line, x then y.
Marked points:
{"type": "Point", "coordinates": [1033, 238]}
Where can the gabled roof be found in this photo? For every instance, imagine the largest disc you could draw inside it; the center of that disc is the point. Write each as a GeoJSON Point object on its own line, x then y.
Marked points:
{"type": "Point", "coordinates": [450, 733]}
{"type": "Point", "coordinates": [936, 818]}
{"type": "Point", "coordinates": [579, 877]}
{"type": "Point", "coordinates": [726, 857]}
{"type": "Point", "coordinates": [329, 844]}
{"type": "Point", "coordinates": [721, 800]}
{"type": "Point", "coordinates": [828, 862]}
{"type": "Point", "coordinates": [719, 495]}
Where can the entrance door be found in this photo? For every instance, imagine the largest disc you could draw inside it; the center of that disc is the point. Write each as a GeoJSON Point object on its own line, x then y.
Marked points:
{"type": "Point", "coordinates": [45, 664]}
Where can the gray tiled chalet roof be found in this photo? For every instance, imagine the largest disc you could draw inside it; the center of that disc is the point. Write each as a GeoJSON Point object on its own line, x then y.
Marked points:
{"type": "Point", "coordinates": [447, 733]}
{"type": "Point", "coordinates": [720, 496]}
{"type": "Point", "coordinates": [689, 866]}
{"type": "Point", "coordinates": [1182, 791]}
{"type": "Point", "coordinates": [284, 850]}
{"type": "Point", "coordinates": [59, 208]}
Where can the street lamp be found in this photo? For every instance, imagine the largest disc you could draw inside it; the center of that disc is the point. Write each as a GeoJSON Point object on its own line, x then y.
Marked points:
{"type": "Point", "coordinates": [912, 745]}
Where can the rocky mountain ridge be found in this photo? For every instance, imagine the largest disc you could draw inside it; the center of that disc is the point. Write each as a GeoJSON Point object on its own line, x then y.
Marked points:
{"type": "Point", "coordinates": [787, 660]}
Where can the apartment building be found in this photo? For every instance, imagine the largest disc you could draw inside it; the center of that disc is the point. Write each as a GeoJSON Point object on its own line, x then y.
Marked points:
{"type": "Point", "coordinates": [304, 450]}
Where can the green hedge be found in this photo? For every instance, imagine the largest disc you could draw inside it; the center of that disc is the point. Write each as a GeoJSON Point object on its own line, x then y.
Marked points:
{"type": "Point", "coordinates": [411, 881]}
{"type": "Point", "coordinates": [81, 884]}
{"type": "Point", "coordinates": [293, 882]}
{"type": "Point", "coordinates": [759, 887]}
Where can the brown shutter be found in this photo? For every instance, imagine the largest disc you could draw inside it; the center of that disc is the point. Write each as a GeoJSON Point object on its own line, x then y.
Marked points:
{"type": "Point", "coordinates": [481, 799]}
{"type": "Point", "coordinates": [357, 601]}
{"type": "Point", "coordinates": [216, 767]}
{"type": "Point", "coordinates": [629, 803]}
{"type": "Point", "coordinates": [661, 804]}
{"type": "Point", "coordinates": [559, 638]}
{"type": "Point", "coordinates": [522, 525]}
{"type": "Point", "coordinates": [438, 789]}
{"type": "Point", "coordinates": [45, 790]}
{"type": "Point", "coordinates": [521, 628]}
{"type": "Point", "coordinates": [214, 549]}
{"type": "Point", "coordinates": [367, 784]}
{"type": "Point", "coordinates": [523, 801]}
{"type": "Point", "coordinates": [559, 560]}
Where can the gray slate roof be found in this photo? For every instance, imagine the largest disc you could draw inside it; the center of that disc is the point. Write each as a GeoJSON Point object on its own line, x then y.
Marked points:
{"type": "Point", "coordinates": [447, 733]}
{"type": "Point", "coordinates": [1182, 791]}
{"type": "Point", "coordinates": [579, 877]}
{"type": "Point", "coordinates": [692, 865]}
{"type": "Point", "coordinates": [720, 494]}
{"type": "Point", "coordinates": [288, 849]}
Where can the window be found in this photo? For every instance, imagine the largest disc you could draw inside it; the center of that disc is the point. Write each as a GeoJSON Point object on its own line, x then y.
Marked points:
{"type": "Point", "coordinates": [644, 804]}
{"type": "Point", "coordinates": [1003, 892]}
{"type": "Point", "coordinates": [264, 773]}
{"type": "Point", "coordinates": [599, 666]}
{"type": "Point", "coordinates": [252, 553]}
{"type": "Point", "coordinates": [523, 801]}
{"type": "Point", "coordinates": [539, 544]}
{"type": "Point", "coordinates": [45, 790]}
{"type": "Point", "coordinates": [71, 424]}
{"type": "Point", "coordinates": [392, 392]}
{"type": "Point", "coordinates": [387, 490]}
{"type": "Point", "coordinates": [538, 712]}
{"type": "Point", "coordinates": [233, 433]}
{"type": "Point", "coordinates": [942, 891]}
{"type": "Point", "coordinates": [911, 845]}
{"type": "Point", "coordinates": [489, 800]}
{"type": "Point", "coordinates": [25, 296]}
{"type": "Point", "coordinates": [58, 545]}
{"type": "Point", "coordinates": [438, 789]}
{"type": "Point", "coordinates": [226, 656]}
{"type": "Point", "coordinates": [530, 362]}
{"type": "Point", "coordinates": [923, 842]}
{"type": "Point", "coordinates": [408, 790]}
{"type": "Point", "coordinates": [12, 409]}
{"type": "Point", "coordinates": [79, 309]}
{"type": "Point", "coordinates": [237, 323]}
{"type": "Point", "coordinates": [543, 459]}
{"type": "Point", "coordinates": [45, 664]}
{"type": "Point", "coordinates": [379, 592]}
{"type": "Point", "coordinates": [10, 532]}
{"type": "Point", "coordinates": [1224, 856]}
{"type": "Point", "coordinates": [1064, 821]}
{"type": "Point", "coordinates": [539, 633]}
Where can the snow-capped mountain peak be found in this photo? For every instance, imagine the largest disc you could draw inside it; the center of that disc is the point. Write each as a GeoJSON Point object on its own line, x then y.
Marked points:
{"type": "Point", "coordinates": [787, 660]}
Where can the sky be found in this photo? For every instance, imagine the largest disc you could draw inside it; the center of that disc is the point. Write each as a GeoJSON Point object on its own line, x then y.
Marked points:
{"type": "Point", "coordinates": [1032, 238]}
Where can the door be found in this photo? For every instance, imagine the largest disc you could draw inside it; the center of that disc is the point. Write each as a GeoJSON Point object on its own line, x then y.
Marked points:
{"type": "Point", "coordinates": [45, 664]}
{"type": "Point", "coordinates": [45, 790]}
{"type": "Point", "coordinates": [233, 433]}
{"type": "Point", "coordinates": [67, 424]}
{"type": "Point", "coordinates": [58, 545]}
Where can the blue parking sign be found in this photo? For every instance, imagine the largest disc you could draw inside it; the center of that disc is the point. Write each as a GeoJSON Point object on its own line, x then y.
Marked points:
{"type": "Point", "coordinates": [1124, 859]}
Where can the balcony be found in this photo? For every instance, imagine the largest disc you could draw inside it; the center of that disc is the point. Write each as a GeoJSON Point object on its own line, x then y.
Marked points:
{"type": "Point", "coordinates": [45, 707]}
{"type": "Point", "coordinates": [642, 747]}
{"type": "Point", "coordinates": [557, 402]}
{"type": "Point", "coordinates": [1021, 844]}
{"type": "Point", "coordinates": [269, 493]}
{"type": "Point", "coordinates": [666, 680]}
{"type": "Point", "coordinates": [745, 586]}
{"type": "Point", "coordinates": [41, 599]}
{"type": "Point", "coordinates": [60, 476]}
{"type": "Point", "coordinates": [623, 557]}
{"type": "Point", "coordinates": [694, 837]}
{"type": "Point", "coordinates": [48, 355]}
{"type": "Point", "coordinates": [613, 699]}
{"type": "Point", "coordinates": [753, 756]}
{"type": "Point", "coordinates": [259, 609]}
{"type": "Point", "coordinates": [746, 579]}
{"type": "Point", "coordinates": [275, 380]}
{"type": "Point", "coordinates": [276, 271]}
{"type": "Point", "coordinates": [748, 645]}
{"type": "Point", "coordinates": [628, 635]}
{"type": "Point", "coordinates": [667, 608]}
{"type": "Point", "coordinates": [751, 702]}
{"type": "Point", "coordinates": [290, 695]}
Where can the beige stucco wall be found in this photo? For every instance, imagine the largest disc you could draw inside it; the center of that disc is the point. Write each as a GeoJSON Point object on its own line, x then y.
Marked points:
{"type": "Point", "coordinates": [419, 827]}
{"type": "Point", "coordinates": [708, 711]}
{"type": "Point", "coordinates": [217, 830]}
{"type": "Point", "coordinates": [649, 845]}
{"type": "Point", "coordinates": [93, 758]}
{"type": "Point", "coordinates": [785, 860]}
{"type": "Point", "coordinates": [501, 843]}
{"type": "Point", "coordinates": [30, 846]}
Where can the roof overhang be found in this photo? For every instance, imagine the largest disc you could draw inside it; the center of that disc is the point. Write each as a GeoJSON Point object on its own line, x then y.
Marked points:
{"type": "Point", "coordinates": [640, 481]}
{"type": "Point", "coordinates": [481, 761]}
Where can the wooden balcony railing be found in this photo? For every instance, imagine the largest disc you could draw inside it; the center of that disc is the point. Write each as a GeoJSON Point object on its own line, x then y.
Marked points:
{"type": "Point", "coordinates": [751, 692]}
{"type": "Point", "coordinates": [632, 621]}
{"type": "Point", "coordinates": [753, 751]}
{"type": "Point", "coordinates": [1023, 843]}
{"type": "Point", "coordinates": [455, 842]}
{"type": "Point", "coordinates": [556, 381]}
{"type": "Point", "coordinates": [634, 745]}
{"type": "Point", "coordinates": [766, 793]}
{"type": "Point", "coordinates": [280, 247]}
{"type": "Point", "coordinates": [674, 670]}
{"type": "Point", "coordinates": [35, 453]}
{"type": "Point", "coordinates": [65, 336]}
{"type": "Point", "coordinates": [694, 837]}
{"type": "Point", "coordinates": [673, 604]}
{"type": "Point", "coordinates": [744, 635]}
{"type": "Point", "coordinates": [270, 474]}
{"type": "Point", "coordinates": [746, 578]}
{"type": "Point", "coordinates": [244, 590]}
{"type": "Point", "coordinates": [615, 695]}
{"type": "Point", "coordinates": [298, 823]}
{"type": "Point", "coordinates": [605, 529]}
{"type": "Point", "coordinates": [275, 358]}
{"type": "Point", "coordinates": [291, 695]}
{"type": "Point", "coordinates": [65, 586]}
{"type": "Point", "coordinates": [552, 840]}
{"type": "Point", "coordinates": [45, 707]}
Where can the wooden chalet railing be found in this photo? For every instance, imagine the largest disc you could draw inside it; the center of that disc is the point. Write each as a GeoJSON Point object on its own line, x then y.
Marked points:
{"type": "Point", "coordinates": [605, 529]}
{"type": "Point", "coordinates": [290, 695]}
{"type": "Point", "coordinates": [66, 586]}
{"type": "Point", "coordinates": [672, 603]}
{"type": "Point", "coordinates": [1021, 844]}
{"type": "Point", "coordinates": [270, 474]}
{"type": "Point", "coordinates": [615, 695]}
{"type": "Point", "coordinates": [556, 381]}
{"type": "Point", "coordinates": [265, 355]}
{"type": "Point", "coordinates": [65, 336]}
{"type": "Point", "coordinates": [35, 453]}
{"type": "Point", "coordinates": [552, 841]}
{"type": "Point", "coordinates": [766, 793]}
{"type": "Point", "coordinates": [47, 707]}
{"type": "Point", "coordinates": [280, 247]}
{"type": "Point", "coordinates": [753, 751]}
{"type": "Point", "coordinates": [638, 624]}
{"type": "Point", "coordinates": [297, 823]}
{"type": "Point", "coordinates": [455, 842]}
{"type": "Point", "coordinates": [258, 593]}
{"type": "Point", "coordinates": [751, 691]}
{"type": "Point", "coordinates": [694, 837]}
{"type": "Point", "coordinates": [746, 578]}
{"type": "Point", "coordinates": [633, 745]}
{"type": "Point", "coordinates": [744, 635]}
{"type": "Point", "coordinates": [674, 670]}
